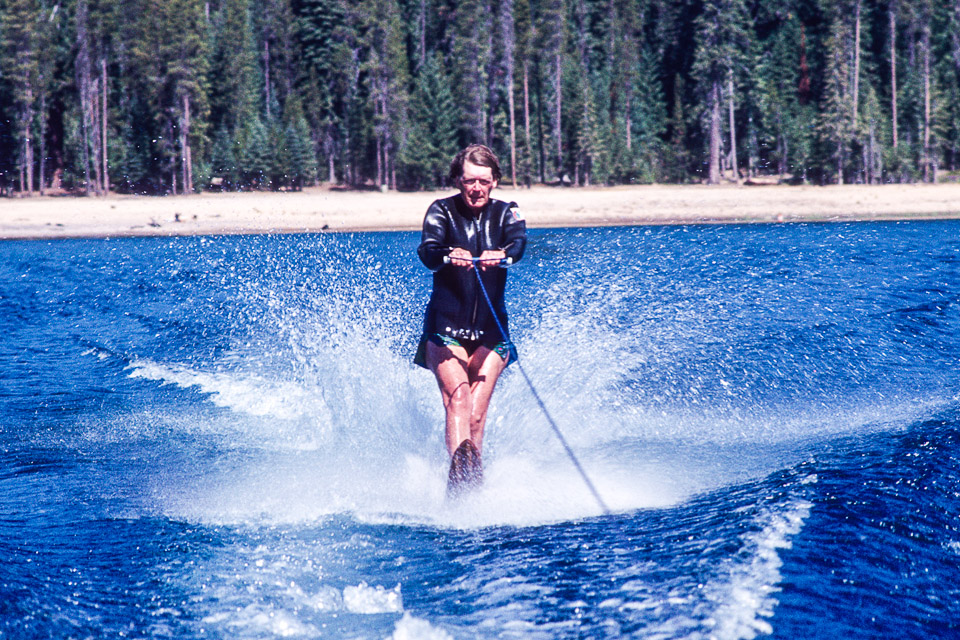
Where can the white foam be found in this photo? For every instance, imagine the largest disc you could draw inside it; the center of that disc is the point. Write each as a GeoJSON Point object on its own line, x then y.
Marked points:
{"type": "Point", "coordinates": [737, 597]}
{"type": "Point", "coordinates": [745, 599]}
{"type": "Point", "coordinates": [521, 490]}
{"type": "Point", "coordinates": [245, 393]}
{"type": "Point", "coordinates": [365, 599]}
{"type": "Point", "coordinates": [290, 615]}
{"type": "Point", "coordinates": [410, 628]}
{"type": "Point", "coordinates": [255, 620]}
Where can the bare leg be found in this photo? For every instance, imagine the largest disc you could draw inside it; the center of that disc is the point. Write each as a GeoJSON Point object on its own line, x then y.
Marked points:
{"type": "Point", "coordinates": [466, 384]}
{"type": "Point", "coordinates": [449, 365]}
{"type": "Point", "coordinates": [485, 368]}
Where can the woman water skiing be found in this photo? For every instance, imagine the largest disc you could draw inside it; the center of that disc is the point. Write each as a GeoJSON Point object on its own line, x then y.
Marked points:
{"type": "Point", "coordinates": [465, 237]}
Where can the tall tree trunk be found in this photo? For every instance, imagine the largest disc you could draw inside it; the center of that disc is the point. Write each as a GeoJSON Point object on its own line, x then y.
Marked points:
{"type": "Point", "coordinates": [266, 73]}
{"type": "Point", "coordinates": [493, 93]}
{"type": "Point", "coordinates": [629, 123]}
{"type": "Point", "coordinates": [93, 104]}
{"type": "Point", "coordinates": [422, 35]}
{"type": "Point", "coordinates": [513, 133]}
{"type": "Point", "coordinates": [541, 151]}
{"type": "Point", "coordinates": [558, 111]}
{"type": "Point", "coordinates": [43, 141]}
{"type": "Point", "coordinates": [27, 172]}
{"type": "Point", "coordinates": [507, 40]}
{"type": "Point", "coordinates": [86, 142]}
{"type": "Point", "coordinates": [185, 147]}
{"type": "Point", "coordinates": [855, 103]}
{"type": "Point", "coordinates": [379, 138]}
{"type": "Point", "coordinates": [841, 156]}
{"type": "Point", "coordinates": [387, 165]}
{"type": "Point", "coordinates": [526, 114]}
{"type": "Point", "coordinates": [733, 133]}
{"type": "Point", "coordinates": [928, 173]}
{"type": "Point", "coordinates": [714, 175]}
{"type": "Point", "coordinates": [785, 145]}
{"type": "Point", "coordinates": [893, 70]}
{"type": "Point", "coordinates": [22, 178]}
{"type": "Point", "coordinates": [105, 174]}
{"type": "Point", "coordinates": [955, 35]}
{"type": "Point", "coordinates": [83, 86]}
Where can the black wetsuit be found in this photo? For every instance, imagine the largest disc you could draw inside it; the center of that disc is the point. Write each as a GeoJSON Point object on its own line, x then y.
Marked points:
{"type": "Point", "coordinates": [457, 308]}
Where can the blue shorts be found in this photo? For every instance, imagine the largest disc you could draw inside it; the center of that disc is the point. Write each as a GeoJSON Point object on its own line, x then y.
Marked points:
{"type": "Point", "coordinates": [504, 349]}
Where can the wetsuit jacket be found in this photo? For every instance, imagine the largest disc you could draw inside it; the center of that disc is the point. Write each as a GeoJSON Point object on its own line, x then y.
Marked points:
{"type": "Point", "coordinates": [457, 307]}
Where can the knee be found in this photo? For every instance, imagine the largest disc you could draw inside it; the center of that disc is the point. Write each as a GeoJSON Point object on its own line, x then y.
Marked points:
{"type": "Point", "coordinates": [478, 417]}
{"type": "Point", "coordinates": [460, 400]}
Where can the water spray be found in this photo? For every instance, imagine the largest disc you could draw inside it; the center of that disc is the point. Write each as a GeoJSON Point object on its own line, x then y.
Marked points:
{"type": "Point", "coordinates": [533, 390]}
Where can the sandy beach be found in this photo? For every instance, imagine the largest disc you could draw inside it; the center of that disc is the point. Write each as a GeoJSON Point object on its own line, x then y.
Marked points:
{"type": "Point", "coordinates": [331, 210]}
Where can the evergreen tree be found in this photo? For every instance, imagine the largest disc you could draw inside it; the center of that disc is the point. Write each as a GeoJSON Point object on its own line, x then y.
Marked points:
{"type": "Point", "coordinates": [387, 79]}
{"type": "Point", "coordinates": [524, 51]}
{"type": "Point", "coordinates": [648, 122]}
{"type": "Point", "coordinates": [433, 132]}
{"type": "Point", "coordinates": [274, 25]}
{"type": "Point", "coordinates": [256, 155]}
{"type": "Point", "coordinates": [168, 49]}
{"type": "Point", "coordinates": [723, 38]}
{"type": "Point", "coordinates": [20, 46]}
{"type": "Point", "coordinates": [872, 132]}
{"type": "Point", "coordinates": [328, 44]}
{"type": "Point", "coordinates": [8, 142]}
{"type": "Point", "coordinates": [552, 31]}
{"type": "Point", "coordinates": [835, 124]}
{"type": "Point", "coordinates": [777, 81]}
{"type": "Point", "coordinates": [583, 134]}
{"type": "Point", "coordinates": [301, 161]}
{"type": "Point", "coordinates": [949, 72]}
{"type": "Point", "coordinates": [470, 63]}
{"type": "Point", "coordinates": [236, 93]}
{"type": "Point", "coordinates": [96, 26]}
{"type": "Point", "coordinates": [677, 156]}
{"type": "Point", "coordinates": [49, 32]}
{"type": "Point", "coordinates": [620, 69]}
{"type": "Point", "coordinates": [224, 171]}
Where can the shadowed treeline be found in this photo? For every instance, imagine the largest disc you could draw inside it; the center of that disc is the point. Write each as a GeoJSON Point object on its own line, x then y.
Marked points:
{"type": "Point", "coordinates": [171, 96]}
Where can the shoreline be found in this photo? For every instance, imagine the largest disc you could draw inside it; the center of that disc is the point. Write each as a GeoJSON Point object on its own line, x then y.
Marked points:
{"type": "Point", "coordinates": [322, 209]}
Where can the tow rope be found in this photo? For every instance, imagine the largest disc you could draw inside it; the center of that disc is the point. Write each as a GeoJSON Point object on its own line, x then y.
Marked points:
{"type": "Point", "coordinates": [503, 332]}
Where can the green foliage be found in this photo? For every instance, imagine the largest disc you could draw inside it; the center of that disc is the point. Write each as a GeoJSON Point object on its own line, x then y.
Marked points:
{"type": "Point", "coordinates": [282, 93]}
{"type": "Point", "coordinates": [256, 155]}
{"type": "Point", "coordinates": [783, 122]}
{"type": "Point", "coordinates": [300, 160]}
{"type": "Point", "coordinates": [21, 45]}
{"type": "Point", "coordinates": [648, 123]}
{"type": "Point", "coordinates": [433, 135]}
{"type": "Point", "coordinates": [724, 37]}
{"type": "Point", "coordinates": [235, 95]}
{"type": "Point", "coordinates": [470, 62]}
{"type": "Point", "coordinates": [224, 171]}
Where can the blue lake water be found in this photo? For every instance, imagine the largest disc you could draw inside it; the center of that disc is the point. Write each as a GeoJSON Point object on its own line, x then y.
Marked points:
{"type": "Point", "coordinates": [225, 437]}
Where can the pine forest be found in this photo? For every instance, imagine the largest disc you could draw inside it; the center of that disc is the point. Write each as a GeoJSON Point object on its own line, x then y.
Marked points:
{"type": "Point", "coordinates": [175, 96]}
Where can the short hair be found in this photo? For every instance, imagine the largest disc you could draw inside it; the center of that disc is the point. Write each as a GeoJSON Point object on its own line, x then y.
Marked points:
{"type": "Point", "coordinates": [478, 154]}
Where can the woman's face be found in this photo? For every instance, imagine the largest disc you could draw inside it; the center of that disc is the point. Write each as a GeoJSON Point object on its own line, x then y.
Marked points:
{"type": "Point", "coordinates": [476, 183]}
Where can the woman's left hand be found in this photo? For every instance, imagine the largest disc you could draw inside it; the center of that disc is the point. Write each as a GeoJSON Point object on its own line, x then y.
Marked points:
{"type": "Point", "coordinates": [491, 258]}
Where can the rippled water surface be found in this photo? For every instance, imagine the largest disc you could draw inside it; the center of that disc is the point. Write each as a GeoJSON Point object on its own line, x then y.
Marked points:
{"type": "Point", "coordinates": [225, 437]}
